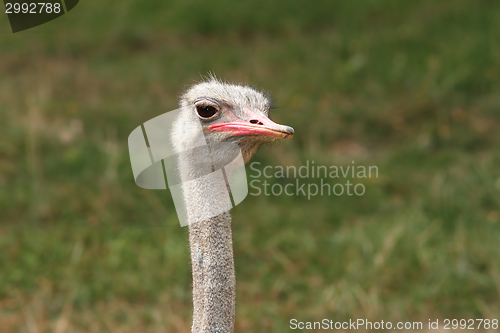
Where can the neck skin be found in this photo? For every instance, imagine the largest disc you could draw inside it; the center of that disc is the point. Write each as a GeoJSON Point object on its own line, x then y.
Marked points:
{"type": "Point", "coordinates": [214, 283]}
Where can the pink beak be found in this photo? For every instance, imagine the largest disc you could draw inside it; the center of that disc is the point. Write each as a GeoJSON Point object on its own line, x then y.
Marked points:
{"type": "Point", "coordinates": [256, 124]}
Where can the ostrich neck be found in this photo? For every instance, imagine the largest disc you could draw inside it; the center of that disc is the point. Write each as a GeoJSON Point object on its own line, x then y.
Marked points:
{"type": "Point", "coordinates": [214, 280]}
{"type": "Point", "coordinates": [214, 284]}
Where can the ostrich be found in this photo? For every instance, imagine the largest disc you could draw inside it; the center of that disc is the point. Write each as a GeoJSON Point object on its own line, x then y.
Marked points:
{"type": "Point", "coordinates": [227, 113]}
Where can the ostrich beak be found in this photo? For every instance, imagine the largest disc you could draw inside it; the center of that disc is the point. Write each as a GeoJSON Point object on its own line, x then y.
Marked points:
{"type": "Point", "coordinates": [255, 124]}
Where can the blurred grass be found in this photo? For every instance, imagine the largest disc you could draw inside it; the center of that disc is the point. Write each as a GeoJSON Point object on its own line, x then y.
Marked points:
{"type": "Point", "coordinates": [411, 87]}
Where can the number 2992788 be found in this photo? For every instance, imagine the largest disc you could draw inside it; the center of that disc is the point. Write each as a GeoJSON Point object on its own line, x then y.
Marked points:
{"type": "Point", "coordinates": [33, 8]}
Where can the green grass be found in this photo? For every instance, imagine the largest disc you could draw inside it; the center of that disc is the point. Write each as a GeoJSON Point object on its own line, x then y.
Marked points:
{"type": "Point", "coordinates": [411, 87]}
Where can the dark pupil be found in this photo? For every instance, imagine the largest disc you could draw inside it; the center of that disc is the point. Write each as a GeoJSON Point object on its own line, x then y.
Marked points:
{"type": "Point", "coordinates": [206, 111]}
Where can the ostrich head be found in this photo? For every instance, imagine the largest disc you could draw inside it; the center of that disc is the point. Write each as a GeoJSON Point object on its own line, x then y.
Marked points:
{"type": "Point", "coordinates": [227, 113]}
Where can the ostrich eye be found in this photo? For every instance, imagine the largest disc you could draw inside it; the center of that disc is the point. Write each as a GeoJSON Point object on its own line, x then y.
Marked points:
{"type": "Point", "coordinates": [206, 111]}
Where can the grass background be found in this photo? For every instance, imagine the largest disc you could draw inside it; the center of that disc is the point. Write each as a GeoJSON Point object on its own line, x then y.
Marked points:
{"type": "Point", "coordinates": [411, 87]}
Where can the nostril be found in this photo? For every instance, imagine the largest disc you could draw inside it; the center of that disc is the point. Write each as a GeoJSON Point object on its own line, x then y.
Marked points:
{"type": "Point", "coordinates": [255, 121]}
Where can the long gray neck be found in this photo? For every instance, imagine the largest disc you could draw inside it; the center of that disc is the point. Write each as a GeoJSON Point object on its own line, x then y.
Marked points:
{"type": "Point", "coordinates": [214, 283]}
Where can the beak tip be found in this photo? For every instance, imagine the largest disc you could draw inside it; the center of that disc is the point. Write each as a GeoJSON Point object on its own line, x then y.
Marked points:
{"type": "Point", "coordinates": [289, 131]}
